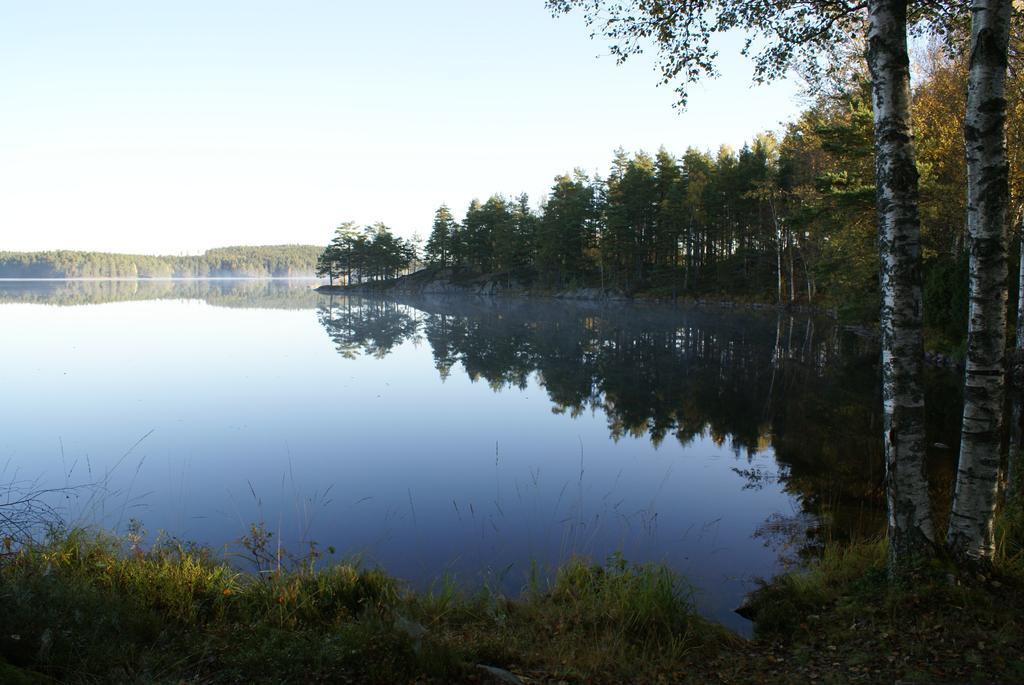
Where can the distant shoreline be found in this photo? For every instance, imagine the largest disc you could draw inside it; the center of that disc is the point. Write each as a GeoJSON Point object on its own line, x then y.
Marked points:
{"type": "Point", "coordinates": [239, 261]}
{"type": "Point", "coordinates": [127, 279]}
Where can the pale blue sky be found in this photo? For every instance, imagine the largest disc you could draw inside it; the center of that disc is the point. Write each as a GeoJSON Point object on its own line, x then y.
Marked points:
{"type": "Point", "coordinates": [173, 127]}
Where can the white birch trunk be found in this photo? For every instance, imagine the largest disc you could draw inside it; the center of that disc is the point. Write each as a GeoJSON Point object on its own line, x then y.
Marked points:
{"type": "Point", "coordinates": [778, 254]}
{"type": "Point", "coordinates": [1020, 292]}
{"type": "Point", "coordinates": [1013, 464]}
{"type": "Point", "coordinates": [911, 534]}
{"type": "Point", "coordinates": [792, 281]}
{"type": "Point", "coordinates": [970, 532]}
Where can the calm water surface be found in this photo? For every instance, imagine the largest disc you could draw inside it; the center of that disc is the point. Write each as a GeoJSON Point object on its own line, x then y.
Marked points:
{"type": "Point", "coordinates": [467, 437]}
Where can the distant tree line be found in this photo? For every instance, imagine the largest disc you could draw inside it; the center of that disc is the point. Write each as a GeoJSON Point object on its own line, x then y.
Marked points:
{"type": "Point", "coordinates": [248, 261]}
{"type": "Point", "coordinates": [358, 256]}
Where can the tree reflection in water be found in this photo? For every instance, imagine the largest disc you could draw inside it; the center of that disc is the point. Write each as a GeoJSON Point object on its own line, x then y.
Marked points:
{"type": "Point", "coordinates": [753, 381]}
{"type": "Point", "coordinates": [240, 293]}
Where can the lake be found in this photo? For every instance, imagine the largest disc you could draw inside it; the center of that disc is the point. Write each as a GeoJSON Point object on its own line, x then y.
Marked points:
{"type": "Point", "coordinates": [481, 439]}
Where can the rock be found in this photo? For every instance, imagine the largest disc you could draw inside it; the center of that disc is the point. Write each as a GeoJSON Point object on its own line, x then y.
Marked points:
{"type": "Point", "coordinates": [747, 609]}
{"type": "Point", "coordinates": [501, 674]}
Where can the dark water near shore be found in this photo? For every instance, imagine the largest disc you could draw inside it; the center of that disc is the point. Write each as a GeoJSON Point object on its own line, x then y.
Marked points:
{"type": "Point", "coordinates": [468, 437]}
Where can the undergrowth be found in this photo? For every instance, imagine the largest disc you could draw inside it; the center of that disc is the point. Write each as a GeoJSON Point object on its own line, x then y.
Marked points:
{"type": "Point", "coordinates": [86, 607]}
{"type": "Point", "coordinates": [89, 607]}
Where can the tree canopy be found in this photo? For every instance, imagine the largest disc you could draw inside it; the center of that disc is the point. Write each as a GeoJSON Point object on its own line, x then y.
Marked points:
{"type": "Point", "coordinates": [371, 254]}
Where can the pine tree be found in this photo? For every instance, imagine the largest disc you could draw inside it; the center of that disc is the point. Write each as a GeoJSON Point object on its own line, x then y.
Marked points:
{"type": "Point", "coordinates": [439, 244]}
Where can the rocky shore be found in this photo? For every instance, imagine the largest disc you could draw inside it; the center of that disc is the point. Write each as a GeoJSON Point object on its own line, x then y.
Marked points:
{"type": "Point", "coordinates": [459, 282]}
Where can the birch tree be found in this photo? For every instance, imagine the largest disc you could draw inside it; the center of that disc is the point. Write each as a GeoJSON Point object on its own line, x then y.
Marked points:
{"type": "Point", "coordinates": [1019, 338]}
{"type": "Point", "coordinates": [782, 35]}
{"type": "Point", "coordinates": [896, 187]}
{"type": "Point", "coordinates": [1020, 293]}
{"type": "Point", "coordinates": [970, 533]}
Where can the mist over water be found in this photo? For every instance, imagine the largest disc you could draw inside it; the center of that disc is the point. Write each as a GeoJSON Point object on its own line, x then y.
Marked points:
{"type": "Point", "coordinates": [473, 437]}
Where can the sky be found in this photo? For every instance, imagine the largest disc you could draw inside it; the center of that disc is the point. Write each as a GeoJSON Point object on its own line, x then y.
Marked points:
{"type": "Point", "coordinates": [171, 128]}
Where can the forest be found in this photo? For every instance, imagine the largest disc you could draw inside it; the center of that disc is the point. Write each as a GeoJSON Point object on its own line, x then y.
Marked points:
{"type": "Point", "coordinates": [788, 218]}
{"type": "Point", "coordinates": [241, 261]}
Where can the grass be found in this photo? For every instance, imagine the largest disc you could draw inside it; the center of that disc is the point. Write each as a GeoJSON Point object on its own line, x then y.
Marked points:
{"type": "Point", "coordinates": [85, 607]}
{"type": "Point", "coordinates": [88, 607]}
{"type": "Point", "coordinates": [610, 623]}
{"type": "Point", "coordinates": [844, 619]}
{"type": "Point", "coordinates": [1009, 524]}
{"type": "Point", "coordinates": [783, 605]}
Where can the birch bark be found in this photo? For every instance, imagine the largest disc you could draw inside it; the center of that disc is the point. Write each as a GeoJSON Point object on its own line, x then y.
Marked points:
{"type": "Point", "coordinates": [911, 533]}
{"type": "Point", "coordinates": [792, 281]}
{"type": "Point", "coordinates": [970, 533]}
{"type": "Point", "coordinates": [1020, 291]}
{"type": "Point", "coordinates": [778, 257]}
